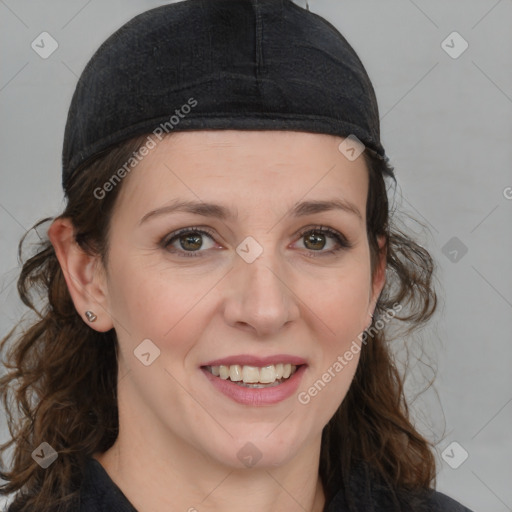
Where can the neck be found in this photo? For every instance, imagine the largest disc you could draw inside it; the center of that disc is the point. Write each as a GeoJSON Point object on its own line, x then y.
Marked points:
{"type": "Point", "coordinates": [188, 481]}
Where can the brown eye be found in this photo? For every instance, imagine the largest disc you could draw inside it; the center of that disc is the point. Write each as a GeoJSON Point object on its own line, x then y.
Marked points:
{"type": "Point", "coordinates": [317, 240]}
{"type": "Point", "coordinates": [190, 241]}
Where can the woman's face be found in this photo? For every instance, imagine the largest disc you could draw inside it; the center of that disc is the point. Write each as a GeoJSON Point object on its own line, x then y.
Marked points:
{"type": "Point", "coordinates": [259, 284]}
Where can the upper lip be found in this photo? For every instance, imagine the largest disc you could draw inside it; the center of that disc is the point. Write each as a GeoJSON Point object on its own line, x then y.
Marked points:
{"type": "Point", "coordinates": [248, 360]}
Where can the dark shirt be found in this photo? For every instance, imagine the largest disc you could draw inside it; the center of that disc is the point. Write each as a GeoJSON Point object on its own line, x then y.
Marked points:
{"type": "Point", "coordinates": [99, 493]}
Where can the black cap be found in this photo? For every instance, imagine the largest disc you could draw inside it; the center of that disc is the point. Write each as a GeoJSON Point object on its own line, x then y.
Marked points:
{"type": "Point", "coordinates": [220, 64]}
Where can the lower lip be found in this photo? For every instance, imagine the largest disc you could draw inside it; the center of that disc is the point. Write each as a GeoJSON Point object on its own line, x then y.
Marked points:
{"type": "Point", "coordinates": [257, 396]}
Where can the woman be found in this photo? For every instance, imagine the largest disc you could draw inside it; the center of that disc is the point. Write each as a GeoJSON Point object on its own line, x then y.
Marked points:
{"type": "Point", "coordinates": [220, 284]}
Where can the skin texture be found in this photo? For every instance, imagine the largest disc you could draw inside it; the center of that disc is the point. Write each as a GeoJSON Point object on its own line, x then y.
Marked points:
{"type": "Point", "coordinates": [179, 437]}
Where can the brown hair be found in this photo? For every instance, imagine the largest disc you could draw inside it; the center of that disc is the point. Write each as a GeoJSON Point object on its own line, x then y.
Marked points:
{"type": "Point", "coordinates": [67, 372]}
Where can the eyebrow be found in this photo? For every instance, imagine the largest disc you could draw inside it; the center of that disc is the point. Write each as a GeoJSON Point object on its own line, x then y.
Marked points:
{"type": "Point", "coordinates": [224, 213]}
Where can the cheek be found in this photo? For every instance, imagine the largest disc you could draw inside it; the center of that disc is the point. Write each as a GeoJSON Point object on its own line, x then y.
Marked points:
{"type": "Point", "coordinates": [337, 352]}
{"type": "Point", "coordinates": [340, 314]}
{"type": "Point", "coordinates": [339, 300]}
{"type": "Point", "coordinates": [146, 303]}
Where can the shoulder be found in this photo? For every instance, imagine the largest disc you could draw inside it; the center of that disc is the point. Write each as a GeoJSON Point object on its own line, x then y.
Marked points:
{"type": "Point", "coordinates": [431, 501]}
{"type": "Point", "coordinates": [367, 494]}
{"type": "Point", "coordinates": [446, 503]}
{"type": "Point", "coordinates": [405, 501]}
{"type": "Point", "coordinates": [100, 493]}
{"type": "Point", "coordinates": [97, 493]}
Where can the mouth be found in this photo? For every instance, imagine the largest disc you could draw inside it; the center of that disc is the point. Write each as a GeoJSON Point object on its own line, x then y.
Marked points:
{"type": "Point", "coordinates": [254, 380]}
{"type": "Point", "coordinates": [254, 376]}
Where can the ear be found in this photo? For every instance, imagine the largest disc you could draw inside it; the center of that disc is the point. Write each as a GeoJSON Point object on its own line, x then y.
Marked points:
{"type": "Point", "coordinates": [84, 274]}
{"type": "Point", "coordinates": [379, 275]}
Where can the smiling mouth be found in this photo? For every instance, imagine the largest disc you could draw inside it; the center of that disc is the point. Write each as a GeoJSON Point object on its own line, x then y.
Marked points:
{"type": "Point", "coordinates": [254, 376]}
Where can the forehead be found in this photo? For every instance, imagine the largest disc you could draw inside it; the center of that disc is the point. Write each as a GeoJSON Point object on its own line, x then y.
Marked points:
{"type": "Point", "coordinates": [246, 168]}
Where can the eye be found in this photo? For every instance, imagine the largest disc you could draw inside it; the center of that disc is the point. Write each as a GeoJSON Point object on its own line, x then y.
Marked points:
{"type": "Point", "coordinates": [314, 239]}
{"type": "Point", "coordinates": [190, 241]}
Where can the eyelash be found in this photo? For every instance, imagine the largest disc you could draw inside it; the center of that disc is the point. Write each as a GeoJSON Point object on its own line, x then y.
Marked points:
{"type": "Point", "coordinates": [338, 237]}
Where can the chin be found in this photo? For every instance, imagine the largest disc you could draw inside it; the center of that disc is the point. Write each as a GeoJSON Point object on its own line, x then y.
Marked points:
{"type": "Point", "coordinates": [256, 448]}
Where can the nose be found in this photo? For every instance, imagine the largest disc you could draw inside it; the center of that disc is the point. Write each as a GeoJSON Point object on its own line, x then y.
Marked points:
{"type": "Point", "coordinates": [261, 300]}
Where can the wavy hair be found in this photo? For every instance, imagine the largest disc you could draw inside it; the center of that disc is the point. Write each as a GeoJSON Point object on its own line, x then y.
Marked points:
{"type": "Point", "coordinates": [62, 375]}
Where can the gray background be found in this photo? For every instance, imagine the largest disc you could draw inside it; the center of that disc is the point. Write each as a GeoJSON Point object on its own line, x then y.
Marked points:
{"type": "Point", "coordinates": [447, 126]}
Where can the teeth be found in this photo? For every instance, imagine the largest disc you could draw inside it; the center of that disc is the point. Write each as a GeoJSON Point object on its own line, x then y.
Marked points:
{"type": "Point", "coordinates": [235, 372]}
{"type": "Point", "coordinates": [250, 374]}
{"type": "Point", "coordinates": [268, 374]}
{"type": "Point", "coordinates": [224, 372]}
{"type": "Point", "coordinates": [253, 374]}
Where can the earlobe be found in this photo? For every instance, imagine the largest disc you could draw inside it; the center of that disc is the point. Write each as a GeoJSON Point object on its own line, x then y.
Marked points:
{"type": "Point", "coordinates": [83, 275]}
